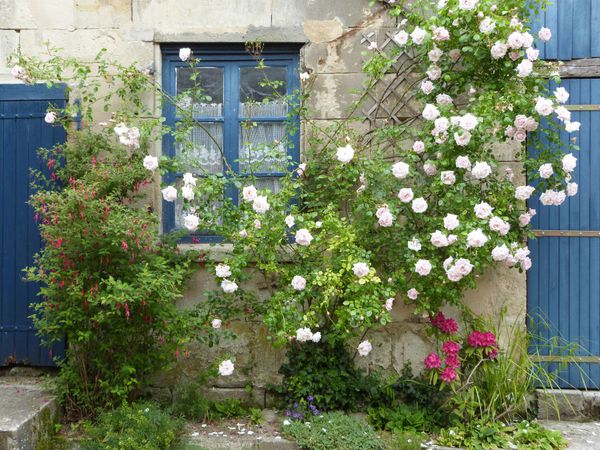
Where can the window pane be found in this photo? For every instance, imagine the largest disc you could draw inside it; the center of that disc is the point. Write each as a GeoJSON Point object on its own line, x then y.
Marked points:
{"type": "Point", "coordinates": [263, 85]}
{"type": "Point", "coordinates": [263, 147]}
{"type": "Point", "coordinates": [208, 101]}
{"type": "Point", "coordinates": [271, 183]}
{"type": "Point", "coordinates": [201, 151]}
{"type": "Point", "coordinates": [207, 210]}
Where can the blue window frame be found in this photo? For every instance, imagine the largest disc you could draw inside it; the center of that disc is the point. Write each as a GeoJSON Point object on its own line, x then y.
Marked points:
{"type": "Point", "coordinates": [228, 75]}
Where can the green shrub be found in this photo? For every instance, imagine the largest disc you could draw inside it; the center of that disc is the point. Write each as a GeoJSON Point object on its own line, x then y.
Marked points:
{"type": "Point", "coordinates": [135, 426]}
{"type": "Point", "coordinates": [402, 418]}
{"type": "Point", "coordinates": [405, 440]}
{"type": "Point", "coordinates": [326, 372]}
{"type": "Point", "coordinates": [334, 431]}
{"type": "Point", "coordinates": [189, 402]}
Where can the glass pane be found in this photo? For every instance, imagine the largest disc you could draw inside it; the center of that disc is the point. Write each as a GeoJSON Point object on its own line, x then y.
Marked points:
{"type": "Point", "coordinates": [271, 183]}
{"type": "Point", "coordinates": [208, 99]}
{"type": "Point", "coordinates": [260, 90]}
{"type": "Point", "coordinates": [263, 147]}
{"type": "Point", "coordinates": [206, 210]}
{"type": "Point", "coordinates": [201, 151]}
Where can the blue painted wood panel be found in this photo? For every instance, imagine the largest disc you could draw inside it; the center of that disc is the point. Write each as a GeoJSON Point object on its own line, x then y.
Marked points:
{"type": "Point", "coordinates": [22, 132]}
{"type": "Point", "coordinates": [573, 24]}
{"type": "Point", "coordinates": [563, 286]}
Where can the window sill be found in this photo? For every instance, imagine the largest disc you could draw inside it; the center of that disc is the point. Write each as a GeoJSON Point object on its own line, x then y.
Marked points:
{"type": "Point", "coordinates": [220, 252]}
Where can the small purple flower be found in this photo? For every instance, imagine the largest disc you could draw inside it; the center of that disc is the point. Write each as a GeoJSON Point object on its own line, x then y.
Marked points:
{"type": "Point", "coordinates": [310, 398]}
{"type": "Point", "coordinates": [312, 407]}
{"type": "Point", "coordinates": [288, 413]}
{"type": "Point", "coordinates": [315, 412]}
{"type": "Point", "coordinates": [296, 416]}
{"type": "Point", "coordinates": [295, 405]}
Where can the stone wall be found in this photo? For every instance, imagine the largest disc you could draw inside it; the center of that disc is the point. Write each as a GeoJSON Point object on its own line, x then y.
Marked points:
{"type": "Point", "coordinates": [335, 33]}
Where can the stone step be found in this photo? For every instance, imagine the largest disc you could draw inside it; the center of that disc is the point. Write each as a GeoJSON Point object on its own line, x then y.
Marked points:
{"type": "Point", "coordinates": [568, 404]}
{"type": "Point", "coordinates": [28, 413]}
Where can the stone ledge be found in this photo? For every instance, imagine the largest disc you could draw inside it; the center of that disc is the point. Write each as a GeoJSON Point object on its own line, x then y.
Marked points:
{"type": "Point", "coordinates": [568, 405]}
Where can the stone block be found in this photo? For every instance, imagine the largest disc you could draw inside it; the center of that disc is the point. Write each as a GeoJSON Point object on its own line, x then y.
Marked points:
{"type": "Point", "coordinates": [508, 151]}
{"type": "Point", "coordinates": [102, 13]}
{"type": "Point", "coordinates": [333, 95]}
{"type": "Point", "coordinates": [9, 43]}
{"type": "Point", "coordinates": [32, 14]}
{"type": "Point", "coordinates": [381, 355]}
{"type": "Point", "coordinates": [410, 346]}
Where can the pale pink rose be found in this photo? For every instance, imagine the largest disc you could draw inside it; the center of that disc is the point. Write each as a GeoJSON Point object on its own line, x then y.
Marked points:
{"type": "Point", "coordinates": [298, 283]}
{"type": "Point", "coordinates": [522, 253]}
{"type": "Point", "coordinates": [389, 304]}
{"type": "Point", "coordinates": [481, 170]}
{"type": "Point", "coordinates": [527, 39]}
{"type": "Point", "coordinates": [454, 54]}
{"type": "Point", "coordinates": [414, 245]}
{"type": "Point", "coordinates": [467, 5]}
{"type": "Point", "coordinates": [187, 192]}
{"type": "Point", "coordinates": [439, 239]}
{"type": "Point", "coordinates": [434, 73]}
{"type": "Point", "coordinates": [570, 127]}
{"type": "Point", "coordinates": [189, 179]}
{"type": "Point", "coordinates": [443, 99]}
{"type": "Point", "coordinates": [222, 270]}
{"type": "Point", "coordinates": [515, 40]}
{"type": "Point", "coordinates": [572, 189]}
{"type": "Point", "coordinates": [524, 68]}
{"type": "Point", "coordinates": [476, 238]}
{"type": "Point", "coordinates": [257, 224]}
{"type": "Point", "coordinates": [563, 114]}
{"type": "Point", "coordinates": [429, 169]}
{"type": "Point", "coordinates": [243, 234]}
{"type": "Point", "coordinates": [289, 221]}
{"type": "Point", "coordinates": [510, 131]}
{"type": "Point", "coordinates": [544, 106]}
{"type": "Point", "coordinates": [520, 121]}
{"type": "Point", "coordinates": [345, 154]}
{"type": "Point", "coordinates": [435, 54]}
{"type": "Point", "coordinates": [500, 253]}
{"type": "Point", "coordinates": [464, 266]}
{"type": "Point", "coordinates": [531, 124]}
{"type": "Point", "coordinates": [468, 122]}
{"type": "Point", "coordinates": [427, 87]}
{"type": "Point", "coordinates": [400, 38]}
{"type": "Point", "coordinates": [400, 170]}
{"type": "Point", "coordinates": [216, 323]}
{"type": "Point", "coordinates": [440, 34]}
{"type": "Point", "coordinates": [260, 204]}
{"type": "Point", "coordinates": [419, 205]}
{"type": "Point", "coordinates": [412, 293]}
{"type": "Point", "coordinates": [249, 193]}
{"type": "Point", "coordinates": [423, 267]}
{"type": "Point", "coordinates": [386, 219]}
{"type": "Point", "coordinates": [304, 334]}
{"type": "Point", "coordinates": [524, 192]}
{"type": "Point", "coordinates": [191, 222]}
{"type": "Point", "coordinates": [524, 219]}
{"type": "Point", "coordinates": [463, 139]}
{"type": "Point", "coordinates": [532, 54]}
{"type": "Point", "coordinates": [406, 195]}
{"type": "Point", "coordinates": [496, 223]}
{"type": "Point", "coordinates": [226, 368]}
{"type": "Point", "coordinates": [463, 162]}
{"type": "Point", "coordinates": [185, 53]}
{"type": "Point", "coordinates": [514, 55]}
{"type": "Point", "coordinates": [150, 162]}
{"type": "Point", "coordinates": [303, 237]}
{"type": "Point", "coordinates": [452, 238]}
{"type": "Point", "coordinates": [430, 112]}
{"type": "Point", "coordinates": [301, 169]}
{"type": "Point", "coordinates": [483, 210]}
{"type": "Point", "coordinates": [545, 34]}
{"type": "Point", "coordinates": [487, 25]}
{"type": "Point", "coordinates": [19, 73]}
{"type": "Point", "coordinates": [360, 269]}
{"type": "Point", "coordinates": [448, 177]}
{"type": "Point", "coordinates": [441, 124]}
{"type": "Point", "coordinates": [169, 194]}
{"type": "Point", "coordinates": [228, 286]}
{"type": "Point", "coordinates": [451, 222]}
{"type": "Point", "coordinates": [552, 198]}
{"type": "Point", "coordinates": [526, 264]}
{"type": "Point", "coordinates": [364, 348]}
{"type": "Point", "coordinates": [418, 147]}
{"type": "Point", "coordinates": [546, 171]}
{"type": "Point", "coordinates": [561, 94]}
{"type": "Point", "coordinates": [499, 50]}
{"type": "Point", "coordinates": [50, 117]}
{"type": "Point", "coordinates": [418, 35]}
{"type": "Point", "coordinates": [316, 337]}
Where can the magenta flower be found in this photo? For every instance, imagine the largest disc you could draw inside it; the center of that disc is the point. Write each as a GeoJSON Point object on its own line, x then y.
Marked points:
{"type": "Point", "coordinates": [452, 361]}
{"type": "Point", "coordinates": [432, 361]}
{"type": "Point", "coordinates": [451, 347]}
{"type": "Point", "coordinates": [448, 375]}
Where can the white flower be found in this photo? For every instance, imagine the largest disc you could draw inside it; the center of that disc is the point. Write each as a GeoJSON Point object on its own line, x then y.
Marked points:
{"type": "Point", "coordinates": [364, 348]}
{"type": "Point", "coordinates": [260, 204]}
{"type": "Point", "coordinates": [372, 46]}
{"type": "Point", "coordinates": [563, 114]}
{"type": "Point", "coordinates": [430, 112]}
{"type": "Point", "coordinates": [316, 337]}
{"type": "Point", "coordinates": [429, 169]}
{"type": "Point", "coordinates": [223, 270]}
{"type": "Point", "coordinates": [150, 162]}
{"type": "Point", "coordinates": [191, 221]}
{"type": "Point", "coordinates": [553, 198]}
{"type": "Point", "coordinates": [50, 117]}
{"type": "Point", "coordinates": [286, 422]}
{"type": "Point", "coordinates": [298, 282]}
{"type": "Point", "coordinates": [441, 125]}
{"type": "Point", "coordinates": [524, 68]}
{"type": "Point", "coordinates": [451, 222]}
{"type": "Point", "coordinates": [434, 73]}
{"type": "Point", "coordinates": [304, 334]}
{"type": "Point", "coordinates": [226, 368]}
{"type": "Point", "coordinates": [500, 253]}
{"type": "Point", "coordinates": [570, 127]}
{"type": "Point", "coordinates": [439, 239]}
{"type": "Point", "coordinates": [443, 99]}
{"type": "Point", "coordinates": [345, 154]}
{"type": "Point", "coordinates": [462, 139]}
{"type": "Point", "coordinates": [435, 54]}
{"type": "Point", "coordinates": [131, 138]}
{"type": "Point", "coordinates": [243, 234]}
{"type": "Point", "coordinates": [414, 245]}
{"type": "Point", "coordinates": [184, 53]}
{"type": "Point", "coordinates": [229, 286]}
{"type": "Point", "coordinates": [524, 192]}
{"type": "Point", "coordinates": [515, 40]}
{"type": "Point", "coordinates": [532, 54]}
{"type": "Point", "coordinates": [468, 122]}
{"type": "Point", "coordinates": [572, 189]}
{"type": "Point", "coordinates": [290, 221]}
{"type": "Point", "coordinates": [257, 224]}
{"type": "Point", "coordinates": [216, 323]}
{"type": "Point", "coordinates": [401, 37]}
{"type": "Point", "coordinates": [301, 169]}
{"type": "Point", "coordinates": [360, 269]}
{"type": "Point", "coordinates": [318, 224]}
{"type": "Point", "coordinates": [467, 5]}
{"type": "Point", "coordinates": [481, 170]}
{"type": "Point", "coordinates": [527, 39]}
{"type": "Point", "coordinates": [304, 76]}
{"type": "Point", "coordinates": [169, 194]}
{"type": "Point", "coordinates": [188, 179]}
{"type": "Point", "coordinates": [497, 224]}
{"type": "Point", "coordinates": [412, 293]}
{"type": "Point", "coordinates": [187, 192]}
{"type": "Point", "coordinates": [487, 25]}
{"type": "Point", "coordinates": [561, 94]}
{"type": "Point", "coordinates": [400, 170]}
{"type": "Point", "coordinates": [499, 50]}
{"type": "Point", "coordinates": [419, 205]}
{"type": "Point", "coordinates": [569, 162]}
{"type": "Point", "coordinates": [463, 162]}
{"type": "Point", "coordinates": [440, 34]}
{"type": "Point", "coordinates": [19, 73]}
{"type": "Point", "coordinates": [454, 54]}
{"type": "Point", "coordinates": [389, 304]}
{"type": "Point", "coordinates": [303, 237]}
{"type": "Point", "coordinates": [423, 267]}
{"type": "Point", "coordinates": [483, 210]}
{"type": "Point", "coordinates": [385, 216]}
{"type": "Point", "coordinates": [546, 171]}
{"type": "Point", "coordinates": [442, 3]}
{"type": "Point", "coordinates": [522, 253]}
{"type": "Point", "coordinates": [427, 87]}
{"type": "Point", "coordinates": [544, 106]}
{"type": "Point", "coordinates": [448, 177]}
{"type": "Point", "coordinates": [249, 193]}
{"type": "Point", "coordinates": [418, 35]}
{"type": "Point", "coordinates": [545, 34]}
{"type": "Point", "coordinates": [418, 147]}
{"type": "Point", "coordinates": [476, 238]}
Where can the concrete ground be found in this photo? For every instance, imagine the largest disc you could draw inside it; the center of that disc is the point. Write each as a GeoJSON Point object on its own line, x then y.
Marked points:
{"type": "Point", "coordinates": [581, 435]}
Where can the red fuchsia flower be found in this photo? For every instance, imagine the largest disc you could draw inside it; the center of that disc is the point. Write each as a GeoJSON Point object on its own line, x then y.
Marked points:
{"type": "Point", "coordinates": [50, 163]}
{"type": "Point", "coordinates": [432, 361]}
{"type": "Point", "coordinates": [451, 348]}
{"type": "Point", "coordinates": [452, 361]}
{"type": "Point", "coordinates": [448, 375]}
{"type": "Point", "coordinates": [445, 325]}
{"type": "Point", "coordinates": [124, 245]}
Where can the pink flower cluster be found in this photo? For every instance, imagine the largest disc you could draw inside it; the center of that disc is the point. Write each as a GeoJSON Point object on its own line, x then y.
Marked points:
{"type": "Point", "coordinates": [451, 361]}
{"type": "Point", "coordinates": [486, 340]}
{"type": "Point", "coordinates": [445, 325]}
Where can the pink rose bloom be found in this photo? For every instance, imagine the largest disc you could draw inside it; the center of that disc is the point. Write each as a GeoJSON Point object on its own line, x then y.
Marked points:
{"type": "Point", "coordinates": [427, 87]}
{"type": "Point", "coordinates": [438, 239]}
{"type": "Point", "coordinates": [385, 217]}
{"type": "Point", "coordinates": [451, 222]}
{"type": "Point", "coordinates": [454, 54]}
{"type": "Point", "coordinates": [448, 177]}
{"type": "Point", "coordinates": [429, 169]}
{"type": "Point", "coordinates": [448, 375]}
{"type": "Point", "coordinates": [423, 267]}
{"type": "Point", "coordinates": [419, 205]}
{"type": "Point", "coordinates": [432, 361]}
{"type": "Point", "coordinates": [303, 237]}
{"type": "Point", "coordinates": [418, 147]}
{"type": "Point", "coordinates": [440, 34]}
{"type": "Point", "coordinates": [462, 162]}
{"type": "Point", "coordinates": [405, 195]}
{"type": "Point", "coordinates": [412, 294]}
{"type": "Point", "coordinates": [389, 304]}
{"type": "Point", "coordinates": [545, 34]}
{"type": "Point", "coordinates": [360, 269]}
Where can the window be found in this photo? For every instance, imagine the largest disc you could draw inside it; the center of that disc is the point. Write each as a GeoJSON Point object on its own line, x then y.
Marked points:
{"type": "Point", "coordinates": [233, 119]}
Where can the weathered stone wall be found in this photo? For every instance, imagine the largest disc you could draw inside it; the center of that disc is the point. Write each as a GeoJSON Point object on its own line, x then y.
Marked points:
{"type": "Point", "coordinates": [336, 33]}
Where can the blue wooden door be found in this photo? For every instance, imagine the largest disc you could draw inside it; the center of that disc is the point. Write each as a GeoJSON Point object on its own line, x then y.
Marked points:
{"type": "Point", "coordinates": [22, 132]}
{"type": "Point", "coordinates": [564, 282]}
